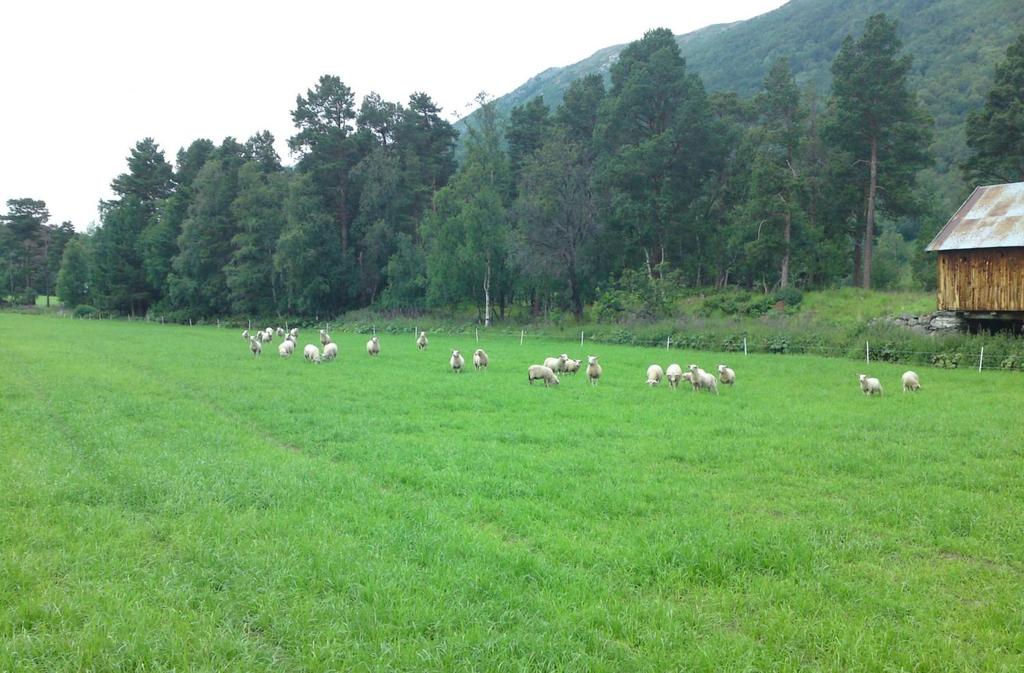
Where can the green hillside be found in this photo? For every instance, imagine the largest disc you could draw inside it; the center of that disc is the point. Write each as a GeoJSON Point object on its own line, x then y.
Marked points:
{"type": "Point", "coordinates": [955, 45]}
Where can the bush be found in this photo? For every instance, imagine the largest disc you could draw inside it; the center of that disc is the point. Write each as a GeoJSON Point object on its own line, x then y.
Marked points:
{"type": "Point", "coordinates": [28, 297]}
{"type": "Point", "coordinates": [84, 311]}
{"type": "Point", "coordinates": [790, 296]}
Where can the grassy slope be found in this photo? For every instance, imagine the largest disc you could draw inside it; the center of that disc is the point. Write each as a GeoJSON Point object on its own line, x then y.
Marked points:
{"type": "Point", "coordinates": [168, 502]}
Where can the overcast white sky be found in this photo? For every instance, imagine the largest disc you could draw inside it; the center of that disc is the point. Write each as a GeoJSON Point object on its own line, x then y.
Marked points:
{"type": "Point", "coordinates": [82, 82]}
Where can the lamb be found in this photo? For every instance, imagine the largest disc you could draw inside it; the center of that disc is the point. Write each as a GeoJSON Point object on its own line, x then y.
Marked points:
{"type": "Point", "coordinates": [593, 369]}
{"type": "Point", "coordinates": [330, 351]}
{"type": "Point", "coordinates": [457, 361]}
{"type": "Point", "coordinates": [311, 353]}
{"type": "Point", "coordinates": [255, 346]}
{"type": "Point", "coordinates": [726, 375]}
{"type": "Point", "coordinates": [373, 346]}
{"type": "Point", "coordinates": [654, 375]}
{"type": "Point", "coordinates": [542, 373]}
{"type": "Point", "coordinates": [325, 338]}
{"type": "Point", "coordinates": [556, 364]}
{"type": "Point", "coordinates": [480, 359]}
{"type": "Point", "coordinates": [910, 382]}
{"type": "Point", "coordinates": [870, 385]}
{"type": "Point", "coordinates": [421, 341]}
{"type": "Point", "coordinates": [700, 379]}
{"type": "Point", "coordinates": [572, 366]}
{"type": "Point", "coordinates": [674, 374]}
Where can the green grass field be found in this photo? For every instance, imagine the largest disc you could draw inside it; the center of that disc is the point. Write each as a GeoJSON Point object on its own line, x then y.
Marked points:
{"type": "Point", "coordinates": [168, 502]}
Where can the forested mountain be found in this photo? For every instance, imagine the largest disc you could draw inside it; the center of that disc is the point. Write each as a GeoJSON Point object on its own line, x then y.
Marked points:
{"type": "Point", "coordinates": [954, 43]}
{"type": "Point", "coordinates": [636, 187]}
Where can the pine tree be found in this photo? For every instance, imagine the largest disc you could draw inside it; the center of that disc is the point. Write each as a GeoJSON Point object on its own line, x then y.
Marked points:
{"type": "Point", "coordinates": [995, 134]}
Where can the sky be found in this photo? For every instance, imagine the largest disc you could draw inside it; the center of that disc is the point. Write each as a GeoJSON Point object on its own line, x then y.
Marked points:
{"type": "Point", "coordinates": [82, 82]}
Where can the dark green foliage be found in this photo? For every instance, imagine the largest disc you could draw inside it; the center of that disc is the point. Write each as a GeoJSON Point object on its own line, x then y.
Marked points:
{"type": "Point", "coordinates": [527, 127]}
{"type": "Point", "coordinates": [876, 120]}
{"type": "Point", "coordinates": [995, 134]}
{"type": "Point", "coordinates": [73, 279]}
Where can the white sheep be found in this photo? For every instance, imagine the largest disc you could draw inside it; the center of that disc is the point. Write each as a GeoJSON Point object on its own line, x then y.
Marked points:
{"type": "Point", "coordinates": [325, 338]}
{"type": "Point", "coordinates": [330, 351]}
{"type": "Point", "coordinates": [726, 375]}
{"type": "Point", "coordinates": [311, 353]}
{"type": "Point", "coordinates": [572, 366]}
{"type": "Point", "coordinates": [593, 369]}
{"type": "Point", "coordinates": [421, 341]}
{"type": "Point", "coordinates": [283, 349]}
{"type": "Point", "coordinates": [373, 346]}
{"type": "Point", "coordinates": [255, 346]}
{"type": "Point", "coordinates": [542, 373]}
{"type": "Point", "coordinates": [910, 381]}
{"type": "Point", "coordinates": [457, 362]}
{"type": "Point", "coordinates": [674, 374]}
{"type": "Point", "coordinates": [245, 334]}
{"type": "Point", "coordinates": [870, 385]}
{"type": "Point", "coordinates": [700, 379]}
{"type": "Point", "coordinates": [556, 364]}
{"type": "Point", "coordinates": [266, 336]}
{"type": "Point", "coordinates": [480, 360]}
{"type": "Point", "coordinates": [654, 375]}
{"type": "Point", "coordinates": [294, 333]}
{"type": "Point", "coordinates": [280, 331]}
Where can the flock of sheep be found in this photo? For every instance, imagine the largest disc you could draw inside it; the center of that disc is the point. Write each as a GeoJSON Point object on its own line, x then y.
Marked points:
{"type": "Point", "coordinates": [547, 372]}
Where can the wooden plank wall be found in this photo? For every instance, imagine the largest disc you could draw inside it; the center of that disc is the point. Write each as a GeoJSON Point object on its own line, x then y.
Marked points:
{"type": "Point", "coordinates": [989, 279]}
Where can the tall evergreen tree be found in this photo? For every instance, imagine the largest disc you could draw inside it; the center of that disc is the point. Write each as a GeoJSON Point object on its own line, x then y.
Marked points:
{"type": "Point", "coordinates": [995, 134]}
{"type": "Point", "coordinates": [878, 121]}
{"type": "Point", "coordinates": [25, 233]}
{"type": "Point", "coordinates": [527, 129]}
{"type": "Point", "coordinates": [254, 284]}
{"type": "Point", "coordinates": [578, 113]}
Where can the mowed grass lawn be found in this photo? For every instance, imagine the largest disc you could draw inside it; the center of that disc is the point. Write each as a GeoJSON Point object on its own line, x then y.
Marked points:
{"type": "Point", "coordinates": [168, 502]}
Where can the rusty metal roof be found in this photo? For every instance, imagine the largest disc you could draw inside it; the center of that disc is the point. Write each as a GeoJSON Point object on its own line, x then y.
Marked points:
{"type": "Point", "coordinates": [993, 217]}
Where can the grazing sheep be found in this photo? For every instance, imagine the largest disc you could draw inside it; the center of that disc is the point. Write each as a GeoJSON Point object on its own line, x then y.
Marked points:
{"type": "Point", "coordinates": [255, 346]}
{"type": "Point", "coordinates": [294, 333]}
{"type": "Point", "coordinates": [726, 375]}
{"type": "Point", "coordinates": [421, 341]}
{"type": "Point", "coordinates": [287, 344]}
{"type": "Point", "coordinates": [700, 379]}
{"type": "Point", "coordinates": [330, 351]}
{"type": "Point", "coordinates": [674, 374]}
{"type": "Point", "coordinates": [556, 364]}
{"type": "Point", "coordinates": [457, 362]}
{"type": "Point", "coordinates": [480, 359]}
{"type": "Point", "coordinates": [280, 331]}
{"type": "Point", "coordinates": [593, 369]}
{"type": "Point", "coordinates": [283, 349]}
{"type": "Point", "coordinates": [266, 336]}
{"type": "Point", "coordinates": [654, 375]}
{"type": "Point", "coordinates": [910, 382]}
{"type": "Point", "coordinates": [245, 334]}
{"type": "Point", "coordinates": [870, 385]}
{"type": "Point", "coordinates": [373, 346]}
{"type": "Point", "coordinates": [572, 366]}
{"type": "Point", "coordinates": [325, 338]}
{"type": "Point", "coordinates": [311, 353]}
{"type": "Point", "coordinates": [542, 373]}
{"type": "Point", "coordinates": [688, 377]}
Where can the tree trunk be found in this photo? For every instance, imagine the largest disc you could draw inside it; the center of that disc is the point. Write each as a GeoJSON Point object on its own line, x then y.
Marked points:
{"type": "Point", "coordinates": [858, 256]}
{"type": "Point", "coordinates": [574, 292]}
{"type": "Point", "coordinates": [786, 237]}
{"type": "Point", "coordinates": [487, 294]}
{"type": "Point", "coordinates": [869, 225]}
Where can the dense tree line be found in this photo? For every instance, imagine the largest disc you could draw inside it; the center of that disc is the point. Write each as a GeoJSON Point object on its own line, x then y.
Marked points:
{"type": "Point", "coordinates": [649, 176]}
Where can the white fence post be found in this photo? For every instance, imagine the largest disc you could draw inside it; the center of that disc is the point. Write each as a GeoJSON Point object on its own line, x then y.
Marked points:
{"type": "Point", "coordinates": [867, 352]}
{"type": "Point", "coordinates": [668, 343]}
{"type": "Point", "coordinates": [522, 333]}
{"type": "Point", "coordinates": [581, 339]}
{"type": "Point", "coordinates": [478, 335]}
{"type": "Point", "coordinates": [744, 346]}
{"type": "Point", "coordinates": [981, 358]}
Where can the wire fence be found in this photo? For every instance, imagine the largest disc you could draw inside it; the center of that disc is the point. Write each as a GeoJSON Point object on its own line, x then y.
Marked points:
{"type": "Point", "coordinates": [947, 359]}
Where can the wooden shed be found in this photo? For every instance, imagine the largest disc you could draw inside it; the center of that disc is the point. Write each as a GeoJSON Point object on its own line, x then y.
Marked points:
{"type": "Point", "coordinates": [981, 255]}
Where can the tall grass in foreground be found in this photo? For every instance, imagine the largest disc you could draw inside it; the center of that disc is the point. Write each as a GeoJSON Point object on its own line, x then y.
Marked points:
{"type": "Point", "coordinates": [169, 502]}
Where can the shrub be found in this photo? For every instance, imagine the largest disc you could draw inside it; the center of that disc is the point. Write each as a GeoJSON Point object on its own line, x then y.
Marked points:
{"type": "Point", "coordinates": [84, 310]}
{"type": "Point", "coordinates": [28, 297]}
{"type": "Point", "coordinates": [791, 296]}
